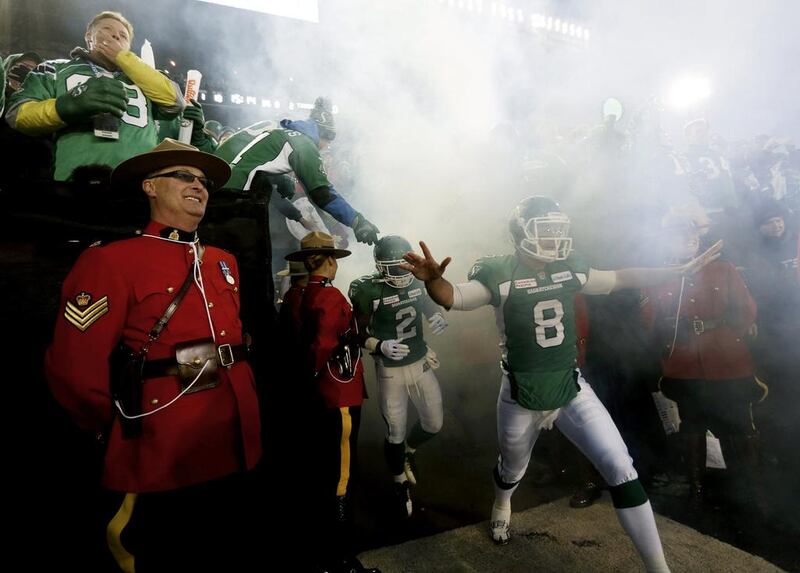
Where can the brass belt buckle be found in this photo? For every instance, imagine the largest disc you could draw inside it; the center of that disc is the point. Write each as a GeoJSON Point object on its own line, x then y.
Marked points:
{"type": "Point", "coordinates": [698, 326]}
{"type": "Point", "coordinates": [225, 353]}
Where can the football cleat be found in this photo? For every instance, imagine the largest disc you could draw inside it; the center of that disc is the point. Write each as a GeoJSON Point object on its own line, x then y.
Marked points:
{"type": "Point", "coordinates": [499, 524]}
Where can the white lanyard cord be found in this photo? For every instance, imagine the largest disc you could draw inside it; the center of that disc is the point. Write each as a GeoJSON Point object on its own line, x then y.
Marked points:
{"type": "Point", "coordinates": [677, 319]}
{"type": "Point", "coordinates": [170, 403]}
{"type": "Point", "coordinates": [198, 277]}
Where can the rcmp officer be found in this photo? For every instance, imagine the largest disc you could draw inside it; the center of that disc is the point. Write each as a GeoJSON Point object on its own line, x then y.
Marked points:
{"type": "Point", "coordinates": [702, 325]}
{"type": "Point", "coordinates": [332, 364]}
{"type": "Point", "coordinates": [183, 426]}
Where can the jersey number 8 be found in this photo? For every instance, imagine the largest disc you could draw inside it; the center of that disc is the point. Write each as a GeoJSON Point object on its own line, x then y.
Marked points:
{"type": "Point", "coordinates": [553, 322]}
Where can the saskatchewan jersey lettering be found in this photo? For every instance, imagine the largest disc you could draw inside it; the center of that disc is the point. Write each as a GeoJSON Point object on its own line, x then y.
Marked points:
{"type": "Point", "coordinates": [395, 313]}
{"type": "Point", "coordinates": [266, 147]}
{"type": "Point", "coordinates": [536, 319]}
{"type": "Point", "coordinates": [76, 144]}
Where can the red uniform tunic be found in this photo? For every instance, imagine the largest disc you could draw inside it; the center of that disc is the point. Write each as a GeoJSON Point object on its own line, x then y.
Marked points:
{"type": "Point", "coordinates": [717, 297]}
{"type": "Point", "coordinates": [326, 314]}
{"type": "Point", "coordinates": [118, 292]}
{"type": "Point", "coordinates": [581, 328]}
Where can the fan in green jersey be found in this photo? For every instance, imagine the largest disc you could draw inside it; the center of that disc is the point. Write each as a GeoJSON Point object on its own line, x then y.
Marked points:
{"type": "Point", "coordinates": [17, 67]}
{"type": "Point", "coordinates": [389, 306]}
{"type": "Point", "coordinates": [66, 98]}
{"type": "Point", "coordinates": [532, 292]}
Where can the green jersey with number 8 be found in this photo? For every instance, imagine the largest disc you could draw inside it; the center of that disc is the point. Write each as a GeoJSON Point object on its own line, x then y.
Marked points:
{"type": "Point", "coordinates": [395, 313]}
{"type": "Point", "coordinates": [535, 316]}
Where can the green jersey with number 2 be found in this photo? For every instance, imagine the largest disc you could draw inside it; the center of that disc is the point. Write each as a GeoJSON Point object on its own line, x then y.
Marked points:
{"type": "Point", "coordinates": [535, 316]}
{"type": "Point", "coordinates": [395, 313]}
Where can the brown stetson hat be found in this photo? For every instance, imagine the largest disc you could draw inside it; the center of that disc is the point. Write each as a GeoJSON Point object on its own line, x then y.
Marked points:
{"type": "Point", "coordinates": [316, 243]}
{"type": "Point", "coordinates": [170, 152]}
{"type": "Point", "coordinates": [293, 269]}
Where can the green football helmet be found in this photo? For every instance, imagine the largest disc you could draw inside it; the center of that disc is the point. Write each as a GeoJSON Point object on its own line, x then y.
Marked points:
{"type": "Point", "coordinates": [388, 253]}
{"type": "Point", "coordinates": [540, 229]}
{"type": "Point", "coordinates": [213, 128]}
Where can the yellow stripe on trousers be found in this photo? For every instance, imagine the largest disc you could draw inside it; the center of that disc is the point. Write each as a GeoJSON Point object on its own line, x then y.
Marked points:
{"type": "Point", "coordinates": [344, 447]}
{"type": "Point", "coordinates": [114, 532]}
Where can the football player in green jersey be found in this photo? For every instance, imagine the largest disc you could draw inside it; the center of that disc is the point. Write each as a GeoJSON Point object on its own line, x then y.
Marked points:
{"type": "Point", "coordinates": [65, 97]}
{"type": "Point", "coordinates": [389, 306]}
{"type": "Point", "coordinates": [532, 292]}
{"type": "Point", "coordinates": [265, 149]}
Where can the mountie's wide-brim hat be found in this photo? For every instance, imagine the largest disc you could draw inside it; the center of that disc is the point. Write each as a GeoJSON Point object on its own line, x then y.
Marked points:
{"type": "Point", "coordinates": [293, 269]}
{"type": "Point", "coordinates": [316, 243]}
{"type": "Point", "coordinates": [170, 153]}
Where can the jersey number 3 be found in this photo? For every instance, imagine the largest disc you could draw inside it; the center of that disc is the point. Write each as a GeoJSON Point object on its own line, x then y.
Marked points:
{"type": "Point", "coordinates": [136, 114]}
{"type": "Point", "coordinates": [547, 315]}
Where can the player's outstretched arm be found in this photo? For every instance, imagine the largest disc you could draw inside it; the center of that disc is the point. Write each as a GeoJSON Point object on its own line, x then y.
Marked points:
{"type": "Point", "coordinates": [644, 277]}
{"type": "Point", "coordinates": [428, 270]}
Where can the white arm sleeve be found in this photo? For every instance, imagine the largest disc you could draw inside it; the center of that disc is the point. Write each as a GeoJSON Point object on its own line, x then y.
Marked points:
{"type": "Point", "coordinates": [471, 295]}
{"type": "Point", "coordinates": [600, 282]}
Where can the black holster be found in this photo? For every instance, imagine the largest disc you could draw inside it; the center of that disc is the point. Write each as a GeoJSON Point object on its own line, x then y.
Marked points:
{"type": "Point", "coordinates": [125, 372]}
{"type": "Point", "coordinates": [345, 356]}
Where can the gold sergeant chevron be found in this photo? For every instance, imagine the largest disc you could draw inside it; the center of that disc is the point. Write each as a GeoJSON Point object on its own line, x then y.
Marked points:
{"type": "Point", "coordinates": [83, 319]}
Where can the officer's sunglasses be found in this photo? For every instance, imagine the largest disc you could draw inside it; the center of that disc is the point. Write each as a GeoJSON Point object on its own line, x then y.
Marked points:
{"type": "Point", "coordinates": [187, 177]}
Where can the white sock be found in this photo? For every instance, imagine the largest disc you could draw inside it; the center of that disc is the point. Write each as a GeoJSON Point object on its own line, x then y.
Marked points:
{"type": "Point", "coordinates": [640, 525]}
{"type": "Point", "coordinates": [502, 497]}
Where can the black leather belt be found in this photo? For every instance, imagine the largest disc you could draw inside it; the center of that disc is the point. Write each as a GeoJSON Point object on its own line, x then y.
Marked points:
{"type": "Point", "coordinates": [227, 356]}
{"type": "Point", "coordinates": [699, 326]}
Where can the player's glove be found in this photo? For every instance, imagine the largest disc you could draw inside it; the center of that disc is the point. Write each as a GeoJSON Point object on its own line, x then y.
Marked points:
{"type": "Point", "coordinates": [394, 349]}
{"type": "Point", "coordinates": [364, 231]}
{"type": "Point", "coordinates": [437, 323]}
{"type": "Point", "coordinates": [94, 96]}
{"type": "Point", "coordinates": [308, 224]}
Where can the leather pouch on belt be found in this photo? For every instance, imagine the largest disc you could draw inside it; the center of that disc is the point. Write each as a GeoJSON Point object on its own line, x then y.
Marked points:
{"type": "Point", "coordinates": [192, 357]}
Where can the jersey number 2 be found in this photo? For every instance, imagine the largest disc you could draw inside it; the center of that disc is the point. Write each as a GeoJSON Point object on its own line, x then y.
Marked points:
{"type": "Point", "coordinates": [410, 314]}
{"type": "Point", "coordinates": [550, 325]}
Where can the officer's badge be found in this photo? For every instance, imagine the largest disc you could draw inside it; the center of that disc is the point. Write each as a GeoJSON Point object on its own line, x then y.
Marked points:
{"type": "Point", "coordinates": [83, 299]}
{"type": "Point", "coordinates": [542, 275]}
{"type": "Point", "coordinates": [81, 314]}
{"type": "Point", "coordinates": [226, 272]}
{"type": "Point", "coordinates": [174, 235]}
